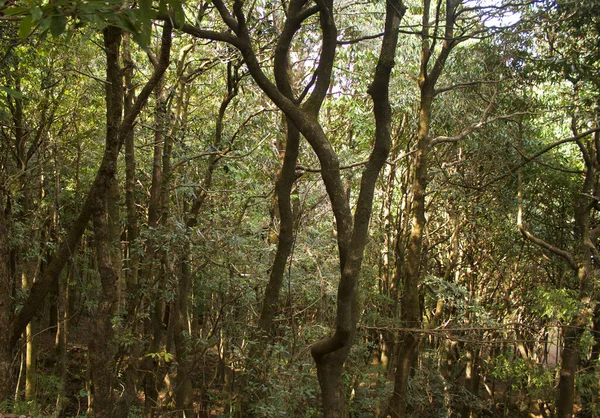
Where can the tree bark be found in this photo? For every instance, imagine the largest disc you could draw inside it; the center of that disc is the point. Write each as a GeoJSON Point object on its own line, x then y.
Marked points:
{"type": "Point", "coordinates": [100, 346]}
{"type": "Point", "coordinates": [5, 300]}
{"type": "Point", "coordinates": [101, 349]}
{"type": "Point", "coordinates": [329, 354]}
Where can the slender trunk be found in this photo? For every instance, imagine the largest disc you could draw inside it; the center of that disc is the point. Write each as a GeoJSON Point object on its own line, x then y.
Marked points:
{"type": "Point", "coordinates": [133, 259]}
{"type": "Point", "coordinates": [285, 240]}
{"type": "Point", "coordinates": [184, 399]}
{"type": "Point", "coordinates": [150, 272]}
{"type": "Point", "coordinates": [128, 285]}
{"type": "Point", "coordinates": [410, 314]}
{"type": "Point", "coordinates": [568, 369]}
{"type": "Point", "coordinates": [283, 187]}
{"type": "Point", "coordinates": [5, 299]}
{"type": "Point", "coordinates": [184, 388]}
{"type": "Point", "coordinates": [62, 338]}
{"type": "Point", "coordinates": [471, 381]}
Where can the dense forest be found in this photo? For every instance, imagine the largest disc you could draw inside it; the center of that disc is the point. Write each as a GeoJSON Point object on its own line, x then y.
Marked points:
{"type": "Point", "coordinates": [264, 208]}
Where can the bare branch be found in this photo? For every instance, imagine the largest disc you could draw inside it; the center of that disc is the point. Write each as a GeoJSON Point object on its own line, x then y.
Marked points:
{"type": "Point", "coordinates": [362, 38]}
{"type": "Point", "coordinates": [463, 85]}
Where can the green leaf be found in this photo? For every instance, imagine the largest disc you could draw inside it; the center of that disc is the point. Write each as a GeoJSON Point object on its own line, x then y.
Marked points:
{"type": "Point", "coordinates": [162, 7]}
{"type": "Point", "coordinates": [13, 93]}
{"type": "Point", "coordinates": [36, 13]}
{"type": "Point", "coordinates": [145, 9]}
{"type": "Point", "coordinates": [25, 27]}
{"type": "Point", "coordinates": [178, 12]}
{"type": "Point", "coordinates": [15, 11]}
{"type": "Point", "coordinates": [145, 22]}
{"type": "Point", "coordinates": [57, 25]}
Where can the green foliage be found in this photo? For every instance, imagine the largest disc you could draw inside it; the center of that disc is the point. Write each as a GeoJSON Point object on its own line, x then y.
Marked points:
{"type": "Point", "coordinates": [525, 376]}
{"type": "Point", "coordinates": [556, 304]}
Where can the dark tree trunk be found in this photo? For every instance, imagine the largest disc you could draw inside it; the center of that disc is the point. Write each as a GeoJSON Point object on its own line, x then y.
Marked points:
{"type": "Point", "coordinates": [331, 353]}
{"type": "Point", "coordinates": [5, 299]}
{"type": "Point", "coordinates": [568, 369]}
{"type": "Point", "coordinates": [100, 345]}
{"type": "Point", "coordinates": [152, 271]}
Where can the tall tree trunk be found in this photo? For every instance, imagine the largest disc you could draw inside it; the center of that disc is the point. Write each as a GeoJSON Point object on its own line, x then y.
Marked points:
{"type": "Point", "coordinates": [128, 285]}
{"type": "Point", "coordinates": [410, 313]}
{"type": "Point", "coordinates": [100, 346]}
{"type": "Point", "coordinates": [5, 299]}
{"type": "Point", "coordinates": [150, 272]}
{"type": "Point", "coordinates": [101, 349]}
{"type": "Point", "coordinates": [330, 354]}
{"type": "Point", "coordinates": [568, 369]}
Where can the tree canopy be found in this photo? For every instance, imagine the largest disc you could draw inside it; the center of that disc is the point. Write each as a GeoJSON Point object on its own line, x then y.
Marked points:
{"type": "Point", "coordinates": [299, 208]}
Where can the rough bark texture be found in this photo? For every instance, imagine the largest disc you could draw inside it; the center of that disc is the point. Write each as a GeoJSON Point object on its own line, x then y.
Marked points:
{"type": "Point", "coordinates": [100, 345]}
{"type": "Point", "coordinates": [331, 354]}
{"type": "Point", "coordinates": [568, 369]}
{"type": "Point", "coordinates": [101, 348]}
{"type": "Point", "coordinates": [152, 271]}
{"type": "Point", "coordinates": [283, 188]}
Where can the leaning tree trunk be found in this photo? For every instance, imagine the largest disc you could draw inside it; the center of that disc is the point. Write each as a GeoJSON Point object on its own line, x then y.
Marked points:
{"type": "Point", "coordinates": [284, 183]}
{"type": "Point", "coordinates": [330, 354]}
